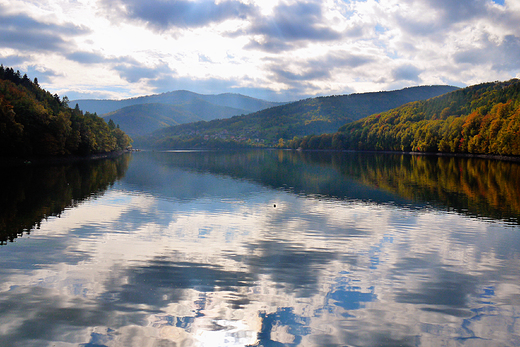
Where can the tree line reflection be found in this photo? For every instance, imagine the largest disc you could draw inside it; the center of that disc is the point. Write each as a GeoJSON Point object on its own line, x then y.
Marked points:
{"type": "Point", "coordinates": [34, 192]}
{"type": "Point", "coordinates": [471, 186]}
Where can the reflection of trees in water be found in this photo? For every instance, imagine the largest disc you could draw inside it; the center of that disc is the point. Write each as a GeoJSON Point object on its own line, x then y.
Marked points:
{"type": "Point", "coordinates": [479, 187]}
{"type": "Point", "coordinates": [483, 188]}
{"type": "Point", "coordinates": [34, 192]}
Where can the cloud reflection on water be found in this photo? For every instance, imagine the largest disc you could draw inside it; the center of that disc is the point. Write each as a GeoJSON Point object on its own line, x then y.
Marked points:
{"type": "Point", "coordinates": [224, 267]}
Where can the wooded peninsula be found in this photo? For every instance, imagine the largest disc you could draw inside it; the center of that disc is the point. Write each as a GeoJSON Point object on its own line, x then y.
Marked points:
{"type": "Point", "coordinates": [35, 123]}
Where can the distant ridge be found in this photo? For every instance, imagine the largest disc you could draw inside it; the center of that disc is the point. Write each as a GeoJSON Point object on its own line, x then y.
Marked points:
{"type": "Point", "coordinates": [243, 104]}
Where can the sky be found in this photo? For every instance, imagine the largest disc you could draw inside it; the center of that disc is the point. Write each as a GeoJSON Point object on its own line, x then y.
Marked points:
{"type": "Point", "coordinates": [270, 49]}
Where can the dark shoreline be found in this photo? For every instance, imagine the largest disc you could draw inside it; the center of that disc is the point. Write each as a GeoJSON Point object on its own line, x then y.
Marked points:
{"type": "Point", "coordinates": [439, 154]}
{"type": "Point", "coordinates": [9, 162]}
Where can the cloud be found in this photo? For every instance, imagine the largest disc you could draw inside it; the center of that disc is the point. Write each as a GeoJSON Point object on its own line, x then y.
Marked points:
{"type": "Point", "coordinates": [290, 27]}
{"type": "Point", "coordinates": [503, 56]}
{"type": "Point", "coordinates": [447, 288]}
{"type": "Point", "coordinates": [297, 76]}
{"type": "Point", "coordinates": [283, 49]}
{"type": "Point", "coordinates": [458, 11]}
{"type": "Point", "coordinates": [270, 46]}
{"type": "Point", "coordinates": [43, 75]}
{"type": "Point", "coordinates": [301, 273]}
{"type": "Point", "coordinates": [132, 71]}
{"type": "Point", "coordinates": [33, 71]}
{"type": "Point", "coordinates": [14, 60]}
{"type": "Point", "coordinates": [204, 58]}
{"type": "Point", "coordinates": [406, 72]}
{"type": "Point", "coordinates": [24, 33]}
{"type": "Point", "coordinates": [160, 282]}
{"type": "Point", "coordinates": [317, 69]}
{"type": "Point", "coordinates": [168, 82]}
{"type": "Point", "coordinates": [282, 74]}
{"type": "Point", "coordinates": [163, 15]}
{"type": "Point", "coordinates": [507, 54]}
{"type": "Point", "coordinates": [90, 94]}
{"type": "Point", "coordinates": [86, 57]}
{"type": "Point", "coordinates": [343, 59]}
{"type": "Point", "coordinates": [431, 17]}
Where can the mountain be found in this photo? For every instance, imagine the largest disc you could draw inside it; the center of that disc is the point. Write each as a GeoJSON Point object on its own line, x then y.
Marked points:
{"type": "Point", "coordinates": [243, 104]}
{"type": "Point", "coordinates": [304, 117]}
{"type": "Point", "coordinates": [480, 119]}
{"type": "Point", "coordinates": [142, 119]}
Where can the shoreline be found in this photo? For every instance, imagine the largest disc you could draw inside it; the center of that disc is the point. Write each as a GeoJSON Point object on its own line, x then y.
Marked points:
{"type": "Point", "coordinates": [67, 159]}
{"type": "Point", "coordinates": [438, 154]}
{"type": "Point", "coordinates": [471, 155]}
{"type": "Point", "coordinates": [430, 154]}
{"type": "Point", "coordinates": [455, 155]}
{"type": "Point", "coordinates": [7, 161]}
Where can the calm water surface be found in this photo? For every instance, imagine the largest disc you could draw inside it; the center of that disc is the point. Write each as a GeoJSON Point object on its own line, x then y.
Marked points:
{"type": "Point", "coordinates": [261, 248]}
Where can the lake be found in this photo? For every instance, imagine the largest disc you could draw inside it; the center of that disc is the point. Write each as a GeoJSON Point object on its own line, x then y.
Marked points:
{"type": "Point", "coordinates": [261, 248]}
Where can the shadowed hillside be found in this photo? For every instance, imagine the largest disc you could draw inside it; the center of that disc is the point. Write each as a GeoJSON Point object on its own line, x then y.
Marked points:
{"type": "Point", "coordinates": [142, 119]}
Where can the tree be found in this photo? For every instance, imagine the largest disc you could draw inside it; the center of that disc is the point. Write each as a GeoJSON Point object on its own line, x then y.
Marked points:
{"type": "Point", "coordinates": [65, 101]}
{"type": "Point", "coordinates": [111, 124]}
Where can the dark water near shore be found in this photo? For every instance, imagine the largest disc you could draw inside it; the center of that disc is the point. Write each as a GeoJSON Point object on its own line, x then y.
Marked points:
{"type": "Point", "coordinates": [261, 248]}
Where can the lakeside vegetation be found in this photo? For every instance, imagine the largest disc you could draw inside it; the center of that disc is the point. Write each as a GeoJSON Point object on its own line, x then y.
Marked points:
{"type": "Point", "coordinates": [35, 123]}
{"type": "Point", "coordinates": [480, 119]}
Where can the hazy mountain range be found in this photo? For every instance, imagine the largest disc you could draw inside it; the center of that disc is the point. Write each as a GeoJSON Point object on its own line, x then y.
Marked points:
{"type": "Point", "coordinates": [142, 115]}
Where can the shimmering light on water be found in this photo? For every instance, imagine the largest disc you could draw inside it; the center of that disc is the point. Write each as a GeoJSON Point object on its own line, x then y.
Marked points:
{"type": "Point", "coordinates": [209, 249]}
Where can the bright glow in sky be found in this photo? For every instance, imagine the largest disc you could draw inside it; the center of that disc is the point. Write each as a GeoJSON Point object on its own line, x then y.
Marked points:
{"type": "Point", "coordinates": [276, 50]}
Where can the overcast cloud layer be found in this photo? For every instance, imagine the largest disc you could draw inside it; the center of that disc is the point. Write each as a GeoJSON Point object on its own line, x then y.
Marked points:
{"type": "Point", "coordinates": [275, 50]}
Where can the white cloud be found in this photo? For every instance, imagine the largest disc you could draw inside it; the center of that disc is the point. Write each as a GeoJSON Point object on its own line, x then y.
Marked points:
{"type": "Point", "coordinates": [282, 49]}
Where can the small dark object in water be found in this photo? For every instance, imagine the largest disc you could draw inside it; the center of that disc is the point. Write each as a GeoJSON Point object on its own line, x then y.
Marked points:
{"type": "Point", "coordinates": [274, 205]}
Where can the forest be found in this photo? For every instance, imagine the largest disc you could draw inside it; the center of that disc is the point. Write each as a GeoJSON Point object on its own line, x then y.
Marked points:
{"type": "Point", "coordinates": [480, 119]}
{"type": "Point", "coordinates": [36, 123]}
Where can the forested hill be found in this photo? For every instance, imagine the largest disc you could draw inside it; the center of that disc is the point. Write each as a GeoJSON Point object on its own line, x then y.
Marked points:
{"type": "Point", "coordinates": [33, 122]}
{"type": "Point", "coordinates": [310, 116]}
{"type": "Point", "coordinates": [480, 119]}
